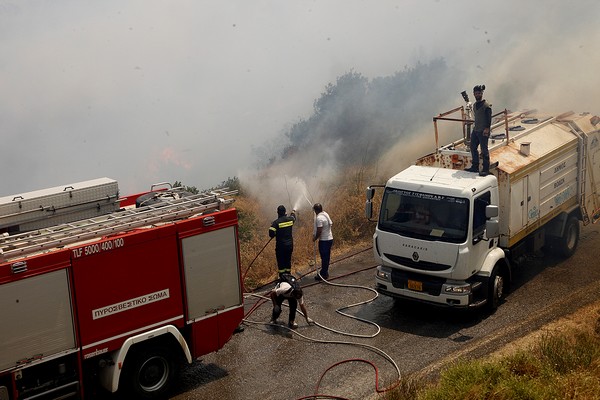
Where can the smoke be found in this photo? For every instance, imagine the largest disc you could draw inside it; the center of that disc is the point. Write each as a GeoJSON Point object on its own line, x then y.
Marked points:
{"type": "Point", "coordinates": [541, 57]}
{"type": "Point", "coordinates": [544, 57]}
{"type": "Point", "coordinates": [297, 183]}
{"type": "Point", "coordinates": [99, 90]}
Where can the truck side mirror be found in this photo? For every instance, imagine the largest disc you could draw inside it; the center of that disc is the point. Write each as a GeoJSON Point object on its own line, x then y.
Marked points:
{"type": "Point", "coordinates": [491, 211]}
{"type": "Point", "coordinates": [492, 229]}
{"type": "Point", "coordinates": [370, 193]}
{"type": "Point", "coordinates": [369, 209]}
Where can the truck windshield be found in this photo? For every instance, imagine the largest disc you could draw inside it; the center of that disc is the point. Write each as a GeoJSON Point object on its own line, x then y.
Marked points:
{"type": "Point", "coordinates": [424, 215]}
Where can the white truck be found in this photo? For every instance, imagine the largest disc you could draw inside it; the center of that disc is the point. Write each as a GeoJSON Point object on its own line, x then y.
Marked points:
{"type": "Point", "coordinates": [450, 237]}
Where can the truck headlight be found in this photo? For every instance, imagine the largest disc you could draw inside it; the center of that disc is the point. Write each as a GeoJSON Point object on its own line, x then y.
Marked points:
{"type": "Point", "coordinates": [384, 273]}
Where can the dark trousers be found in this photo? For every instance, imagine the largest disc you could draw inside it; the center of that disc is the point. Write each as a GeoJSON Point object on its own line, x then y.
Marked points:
{"type": "Point", "coordinates": [283, 254]}
{"type": "Point", "coordinates": [325, 253]}
{"type": "Point", "coordinates": [293, 306]}
{"type": "Point", "coordinates": [477, 139]}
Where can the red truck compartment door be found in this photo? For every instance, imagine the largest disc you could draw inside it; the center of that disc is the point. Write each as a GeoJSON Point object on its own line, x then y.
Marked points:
{"type": "Point", "coordinates": [127, 285]}
{"type": "Point", "coordinates": [213, 288]}
{"type": "Point", "coordinates": [36, 318]}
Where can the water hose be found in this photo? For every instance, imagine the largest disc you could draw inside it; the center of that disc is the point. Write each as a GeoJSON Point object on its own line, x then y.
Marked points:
{"type": "Point", "coordinates": [249, 266]}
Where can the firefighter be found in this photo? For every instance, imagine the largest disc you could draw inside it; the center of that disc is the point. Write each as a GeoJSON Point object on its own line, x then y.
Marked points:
{"type": "Point", "coordinates": [281, 230]}
{"type": "Point", "coordinates": [288, 288]}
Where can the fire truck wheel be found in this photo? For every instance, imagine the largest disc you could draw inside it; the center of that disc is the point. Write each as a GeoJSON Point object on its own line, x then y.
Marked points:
{"type": "Point", "coordinates": [150, 373]}
{"type": "Point", "coordinates": [568, 243]}
{"type": "Point", "coordinates": [495, 289]}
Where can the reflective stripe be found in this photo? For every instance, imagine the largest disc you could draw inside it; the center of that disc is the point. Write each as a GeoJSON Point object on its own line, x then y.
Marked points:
{"type": "Point", "coordinates": [281, 271]}
{"type": "Point", "coordinates": [272, 229]}
{"type": "Point", "coordinates": [286, 224]}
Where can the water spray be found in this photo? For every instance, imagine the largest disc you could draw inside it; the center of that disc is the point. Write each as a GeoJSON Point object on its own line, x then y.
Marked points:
{"type": "Point", "coordinates": [288, 192]}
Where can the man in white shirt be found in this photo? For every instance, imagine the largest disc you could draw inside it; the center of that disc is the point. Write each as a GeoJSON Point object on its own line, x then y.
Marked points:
{"type": "Point", "coordinates": [323, 234]}
{"type": "Point", "coordinates": [293, 293]}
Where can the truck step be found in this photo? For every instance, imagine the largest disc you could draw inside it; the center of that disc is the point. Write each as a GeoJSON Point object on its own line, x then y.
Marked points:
{"type": "Point", "coordinates": [478, 303]}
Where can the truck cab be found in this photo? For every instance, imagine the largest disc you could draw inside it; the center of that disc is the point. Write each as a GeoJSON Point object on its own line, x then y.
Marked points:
{"type": "Point", "coordinates": [431, 230]}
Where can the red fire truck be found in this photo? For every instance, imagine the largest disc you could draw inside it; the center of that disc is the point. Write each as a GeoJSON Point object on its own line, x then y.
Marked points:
{"type": "Point", "coordinates": [102, 291]}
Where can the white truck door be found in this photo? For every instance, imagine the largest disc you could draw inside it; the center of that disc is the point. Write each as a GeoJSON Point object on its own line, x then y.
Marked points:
{"type": "Point", "coordinates": [517, 207]}
{"type": "Point", "coordinates": [533, 198]}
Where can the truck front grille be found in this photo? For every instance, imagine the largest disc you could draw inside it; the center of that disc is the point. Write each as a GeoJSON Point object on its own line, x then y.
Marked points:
{"type": "Point", "coordinates": [422, 265]}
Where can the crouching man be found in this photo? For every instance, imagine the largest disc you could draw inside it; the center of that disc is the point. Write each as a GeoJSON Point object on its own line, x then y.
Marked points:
{"type": "Point", "coordinates": [288, 288]}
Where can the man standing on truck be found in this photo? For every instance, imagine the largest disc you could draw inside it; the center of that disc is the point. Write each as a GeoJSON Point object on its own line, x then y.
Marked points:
{"type": "Point", "coordinates": [482, 113]}
{"type": "Point", "coordinates": [281, 230]}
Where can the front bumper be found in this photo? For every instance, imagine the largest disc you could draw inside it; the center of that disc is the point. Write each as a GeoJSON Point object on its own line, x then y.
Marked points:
{"type": "Point", "coordinates": [430, 289]}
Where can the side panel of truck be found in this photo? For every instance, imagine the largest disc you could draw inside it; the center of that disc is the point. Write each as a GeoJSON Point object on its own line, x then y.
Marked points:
{"type": "Point", "coordinates": [592, 182]}
{"type": "Point", "coordinates": [535, 187]}
{"type": "Point", "coordinates": [124, 288]}
{"type": "Point", "coordinates": [212, 287]}
{"type": "Point", "coordinates": [37, 319]}
{"type": "Point", "coordinates": [558, 183]}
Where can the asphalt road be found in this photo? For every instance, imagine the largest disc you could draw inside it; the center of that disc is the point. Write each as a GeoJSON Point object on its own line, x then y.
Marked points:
{"type": "Point", "coordinates": [265, 362]}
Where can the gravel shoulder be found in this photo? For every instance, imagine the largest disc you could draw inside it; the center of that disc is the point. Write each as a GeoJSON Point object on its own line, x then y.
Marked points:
{"type": "Point", "coordinates": [585, 319]}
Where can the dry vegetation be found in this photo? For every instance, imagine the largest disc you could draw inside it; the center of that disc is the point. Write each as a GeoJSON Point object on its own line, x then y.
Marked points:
{"type": "Point", "coordinates": [560, 361]}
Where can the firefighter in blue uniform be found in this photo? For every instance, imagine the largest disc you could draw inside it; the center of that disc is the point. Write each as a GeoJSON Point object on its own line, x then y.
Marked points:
{"type": "Point", "coordinates": [281, 230]}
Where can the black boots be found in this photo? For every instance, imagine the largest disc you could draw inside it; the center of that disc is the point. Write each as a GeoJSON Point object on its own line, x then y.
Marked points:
{"type": "Point", "coordinates": [483, 172]}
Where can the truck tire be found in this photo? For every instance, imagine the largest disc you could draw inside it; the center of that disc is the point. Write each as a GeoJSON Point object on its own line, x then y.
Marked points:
{"type": "Point", "coordinates": [150, 373]}
{"type": "Point", "coordinates": [567, 244]}
{"type": "Point", "coordinates": [495, 289]}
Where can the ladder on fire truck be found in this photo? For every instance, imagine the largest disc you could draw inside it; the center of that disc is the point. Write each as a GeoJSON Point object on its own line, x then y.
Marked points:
{"type": "Point", "coordinates": [119, 221]}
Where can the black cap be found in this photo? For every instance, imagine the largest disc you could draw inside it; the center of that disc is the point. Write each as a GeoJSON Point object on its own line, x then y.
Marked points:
{"type": "Point", "coordinates": [479, 88]}
{"type": "Point", "coordinates": [318, 207]}
{"type": "Point", "coordinates": [281, 210]}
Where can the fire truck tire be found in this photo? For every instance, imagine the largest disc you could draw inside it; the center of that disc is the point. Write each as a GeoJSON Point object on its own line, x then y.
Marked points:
{"type": "Point", "coordinates": [567, 244]}
{"type": "Point", "coordinates": [150, 373]}
{"type": "Point", "coordinates": [495, 289]}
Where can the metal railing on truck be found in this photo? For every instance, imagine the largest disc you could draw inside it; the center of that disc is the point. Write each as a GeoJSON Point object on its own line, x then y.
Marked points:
{"type": "Point", "coordinates": [12, 246]}
{"type": "Point", "coordinates": [466, 122]}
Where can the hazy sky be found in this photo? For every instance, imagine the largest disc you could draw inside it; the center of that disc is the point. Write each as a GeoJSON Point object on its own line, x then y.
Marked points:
{"type": "Point", "coordinates": [152, 91]}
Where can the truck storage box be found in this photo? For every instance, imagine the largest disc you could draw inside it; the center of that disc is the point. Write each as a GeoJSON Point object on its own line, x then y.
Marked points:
{"type": "Point", "coordinates": [58, 205]}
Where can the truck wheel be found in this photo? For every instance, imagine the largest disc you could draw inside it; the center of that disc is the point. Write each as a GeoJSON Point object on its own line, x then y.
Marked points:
{"type": "Point", "coordinates": [150, 373]}
{"type": "Point", "coordinates": [495, 290]}
{"type": "Point", "coordinates": [568, 242]}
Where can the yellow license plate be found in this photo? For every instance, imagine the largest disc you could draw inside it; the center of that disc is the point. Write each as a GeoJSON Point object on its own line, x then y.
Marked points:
{"type": "Point", "coordinates": [415, 285]}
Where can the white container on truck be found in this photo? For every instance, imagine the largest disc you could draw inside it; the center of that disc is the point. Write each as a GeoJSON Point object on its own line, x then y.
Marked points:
{"type": "Point", "coordinates": [451, 237]}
